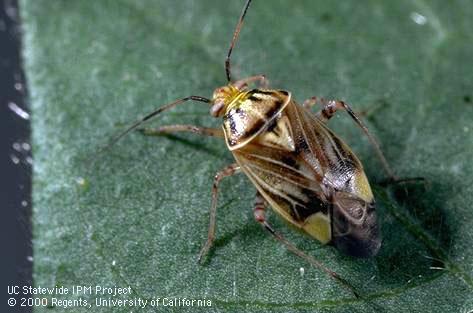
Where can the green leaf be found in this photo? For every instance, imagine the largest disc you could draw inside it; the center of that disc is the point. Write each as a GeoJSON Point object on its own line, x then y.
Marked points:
{"type": "Point", "coordinates": [137, 215]}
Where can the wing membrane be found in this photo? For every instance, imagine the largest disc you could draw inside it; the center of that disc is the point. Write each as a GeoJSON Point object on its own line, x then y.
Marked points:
{"type": "Point", "coordinates": [330, 156]}
{"type": "Point", "coordinates": [284, 179]}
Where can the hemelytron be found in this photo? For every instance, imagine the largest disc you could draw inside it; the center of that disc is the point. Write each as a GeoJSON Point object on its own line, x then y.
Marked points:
{"type": "Point", "coordinates": [299, 167]}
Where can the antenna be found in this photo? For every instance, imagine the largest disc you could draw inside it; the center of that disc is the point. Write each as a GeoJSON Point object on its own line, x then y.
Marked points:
{"type": "Point", "coordinates": [234, 39]}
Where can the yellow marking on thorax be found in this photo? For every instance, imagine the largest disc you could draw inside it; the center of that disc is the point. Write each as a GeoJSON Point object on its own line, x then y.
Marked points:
{"type": "Point", "coordinates": [237, 100]}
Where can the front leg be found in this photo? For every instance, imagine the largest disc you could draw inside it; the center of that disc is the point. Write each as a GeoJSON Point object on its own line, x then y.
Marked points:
{"type": "Point", "coordinates": [168, 129]}
{"type": "Point", "coordinates": [242, 83]}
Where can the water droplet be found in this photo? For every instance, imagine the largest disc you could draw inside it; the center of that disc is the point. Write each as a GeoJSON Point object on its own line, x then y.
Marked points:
{"type": "Point", "coordinates": [126, 76]}
{"type": "Point", "coordinates": [14, 159]}
{"type": "Point", "coordinates": [24, 203]}
{"type": "Point", "coordinates": [29, 258]}
{"type": "Point", "coordinates": [11, 11]}
{"type": "Point", "coordinates": [302, 271]}
{"type": "Point", "coordinates": [114, 263]}
{"type": "Point", "coordinates": [418, 18]}
{"type": "Point", "coordinates": [16, 146]}
{"type": "Point", "coordinates": [83, 183]}
{"type": "Point", "coordinates": [29, 160]}
{"type": "Point", "coordinates": [18, 111]}
{"type": "Point", "coordinates": [26, 146]}
{"type": "Point", "coordinates": [18, 86]}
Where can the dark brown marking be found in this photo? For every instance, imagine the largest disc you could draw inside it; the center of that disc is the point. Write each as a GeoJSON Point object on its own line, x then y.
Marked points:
{"type": "Point", "coordinates": [301, 145]}
{"type": "Point", "coordinates": [347, 183]}
{"type": "Point", "coordinates": [272, 125]}
{"type": "Point", "coordinates": [370, 207]}
{"type": "Point", "coordinates": [312, 206]}
{"type": "Point", "coordinates": [264, 92]}
{"type": "Point", "coordinates": [346, 156]}
{"type": "Point", "coordinates": [326, 115]}
{"type": "Point", "coordinates": [273, 109]}
{"type": "Point", "coordinates": [315, 204]}
{"type": "Point", "coordinates": [253, 98]}
{"type": "Point", "coordinates": [232, 125]}
{"type": "Point", "coordinates": [290, 161]}
{"type": "Point", "coordinates": [256, 126]}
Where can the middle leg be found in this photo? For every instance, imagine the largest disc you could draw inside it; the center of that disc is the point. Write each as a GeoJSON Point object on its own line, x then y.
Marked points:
{"type": "Point", "coordinates": [227, 171]}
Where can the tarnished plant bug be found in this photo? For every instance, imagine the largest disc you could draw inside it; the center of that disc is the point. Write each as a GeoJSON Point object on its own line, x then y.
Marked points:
{"type": "Point", "coordinates": [299, 167]}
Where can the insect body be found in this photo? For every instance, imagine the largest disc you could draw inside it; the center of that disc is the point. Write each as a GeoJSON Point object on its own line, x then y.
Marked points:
{"type": "Point", "coordinates": [299, 167]}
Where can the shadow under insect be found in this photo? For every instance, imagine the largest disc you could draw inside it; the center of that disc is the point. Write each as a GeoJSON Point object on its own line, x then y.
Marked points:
{"type": "Point", "coordinates": [416, 232]}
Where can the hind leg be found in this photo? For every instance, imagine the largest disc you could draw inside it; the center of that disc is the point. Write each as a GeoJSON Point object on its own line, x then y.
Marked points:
{"type": "Point", "coordinates": [260, 217]}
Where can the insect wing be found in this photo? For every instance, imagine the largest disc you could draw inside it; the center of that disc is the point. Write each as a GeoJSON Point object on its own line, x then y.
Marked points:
{"type": "Point", "coordinates": [354, 225]}
{"type": "Point", "coordinates": [329, 156]}
{"type": "Point", "coordinates": [312, 178]}
{"type": "Point", "coordinates": [352, 211]}
{"type": "Point", "coordinates": [288, 184]}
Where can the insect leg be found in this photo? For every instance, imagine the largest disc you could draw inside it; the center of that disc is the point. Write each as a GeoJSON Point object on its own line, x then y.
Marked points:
{"type": "Point", "coordinates": [149, 116]}
{"type": "Point", "coordinates": [309, 103]}
{"type": "Point", "coordinates": [331, 107]}
{"type": "Point", "coordinates": [259, 214]}
{"type": "Point", "coordinates": [204, 131]}
{"type": "Point", "coordinates": [227, 171]}
{"type": "Point", "coordinates": [239, 84]}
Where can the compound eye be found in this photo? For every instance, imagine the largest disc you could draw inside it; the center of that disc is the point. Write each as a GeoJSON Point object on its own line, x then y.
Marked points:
{"type": "Point", "coordinates": [216, 108]}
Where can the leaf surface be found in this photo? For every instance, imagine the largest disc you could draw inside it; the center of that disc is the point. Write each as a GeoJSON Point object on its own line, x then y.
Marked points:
{"type": "Point", "coordinates": [137, 215]}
